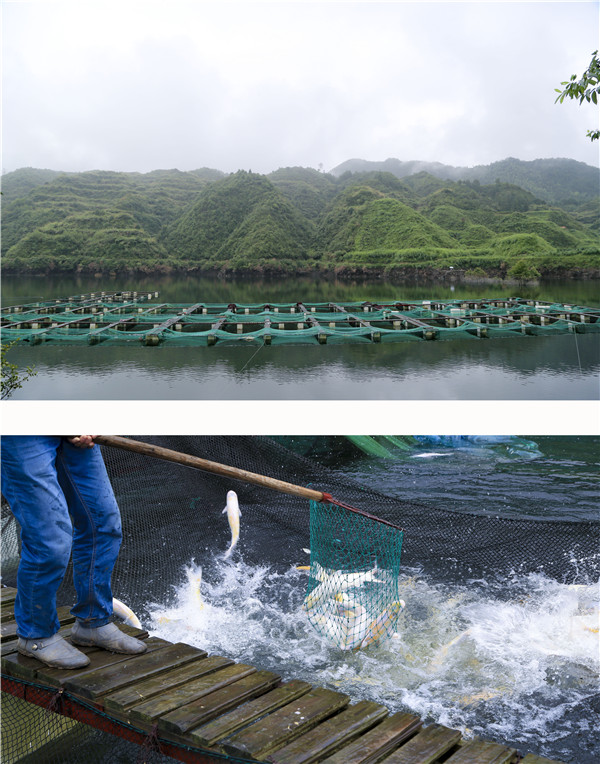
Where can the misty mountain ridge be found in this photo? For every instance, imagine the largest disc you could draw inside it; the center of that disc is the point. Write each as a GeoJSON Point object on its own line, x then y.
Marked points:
{"type": "Point", "coordinates": [299, 220]}
{"type": "Point", "coordinates": [558, 181]}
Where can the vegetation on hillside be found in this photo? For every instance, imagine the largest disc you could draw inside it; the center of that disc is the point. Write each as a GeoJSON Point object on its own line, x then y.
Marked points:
{"type": "Point", "coordinates": [295, 220]}
{"type": "Point", "coordinates": [562, 182]}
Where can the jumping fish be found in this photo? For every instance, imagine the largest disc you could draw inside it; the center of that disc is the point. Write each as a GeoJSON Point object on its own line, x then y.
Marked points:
{"type": "Point", "coordinates": [347, 605]}
{"type": "Point", "coordinates": [195, 580]}
{"type": "Point", "coordinates": [125, 614]}
{"type": "Point", "coordinates": [381, 624]}
{"type": "Point", "coordinates": [354, 618]}
{"type": "Point", "coordinates": [337, 582]}
{"type": "Point", "coordinates": [333, 626]}
{"type": "Point", "coordinates": [233, 515]}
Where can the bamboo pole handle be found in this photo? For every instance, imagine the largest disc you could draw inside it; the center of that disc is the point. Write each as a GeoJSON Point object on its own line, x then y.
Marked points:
{"type": "Point", "coordinates": [148, 449]}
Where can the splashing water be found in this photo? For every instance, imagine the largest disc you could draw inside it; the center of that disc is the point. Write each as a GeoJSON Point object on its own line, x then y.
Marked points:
{"type": "Point", "coordinates": [515, 661]}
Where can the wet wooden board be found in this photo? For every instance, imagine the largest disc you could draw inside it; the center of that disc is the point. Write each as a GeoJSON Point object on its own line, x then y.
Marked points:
{"type": "Point", "coordinates": [217, 703]}
{"type": "Point", "coordinates": [99, 659]}
{"type": "Point", "coordinates": [331, 734]}
{"type": "Point", "coordinates": [480, 752]}
{"type": "Point", "coordinates": [7, 613]}
{"type": "Point", "coordinates": [426, 747]}
{"type": "Point", "coordinates": [7, 594]}
{"type": "Point", "coordinates": [533, 759]}
{"type": "Point", "coordinates": [7, 609]}
{"type": "Point", "coordinates": [284, 725]}
{"type": "Point", "coordinates": [377, 742]}
{"type": "Point", "coordinates": [23, 667]}
{"type": "Point", "coordinates": [169, 700]}
{"type": "Point", "coordinates": [94, 684]}
{"type": "Point", "coordinates": [7, 606]}
{"type": "Point", "coordinates": [8, 630]}
{"type": "Point", "coordinates": [226, 725]}
{"type": "Point", "coordinates": [123, 700]}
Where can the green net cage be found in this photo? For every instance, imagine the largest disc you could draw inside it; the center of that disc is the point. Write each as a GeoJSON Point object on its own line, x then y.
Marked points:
{"type": "Point", "coordinates": [352, 594]}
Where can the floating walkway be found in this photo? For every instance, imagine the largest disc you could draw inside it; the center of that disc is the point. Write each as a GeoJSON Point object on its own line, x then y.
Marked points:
{"type": "Point", "coordinates": [204, 708]}
{"type": "Point", "coordinates": [130, 317]}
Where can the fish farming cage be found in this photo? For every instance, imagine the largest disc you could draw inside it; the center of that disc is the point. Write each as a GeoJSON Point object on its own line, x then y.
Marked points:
{"type": "Point", "coordinates": [132, 317]}
{"type": "Point", "coordinates": [172, 515]}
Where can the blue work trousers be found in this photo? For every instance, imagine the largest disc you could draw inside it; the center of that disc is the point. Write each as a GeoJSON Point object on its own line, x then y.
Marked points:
{"type": "Point", "coordinates": [64, 502]}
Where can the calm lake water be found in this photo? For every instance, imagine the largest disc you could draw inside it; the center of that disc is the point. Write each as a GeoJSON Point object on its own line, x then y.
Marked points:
{"type": "Point", "coordinates": [552, 368]}
{"type": "Point", "coordinates": [557, 478]}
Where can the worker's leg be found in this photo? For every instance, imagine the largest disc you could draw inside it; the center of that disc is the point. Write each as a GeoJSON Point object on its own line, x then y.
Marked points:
{"type": "Point", "coordinates": [96, 530]}
{"type": "Point", "coordinates": [96, 541]}
{"type": "Point", "coordinates": [30, 485]}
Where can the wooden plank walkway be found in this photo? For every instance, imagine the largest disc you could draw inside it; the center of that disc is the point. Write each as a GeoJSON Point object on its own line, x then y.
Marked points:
{"type": "Point", "coordinates": [199, 704]}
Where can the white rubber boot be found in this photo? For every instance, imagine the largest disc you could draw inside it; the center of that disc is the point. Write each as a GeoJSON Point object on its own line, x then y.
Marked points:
{"type": "Point", "coordinates": [109, 637]}
{"type": "Point", "coordinates": [53, 651]}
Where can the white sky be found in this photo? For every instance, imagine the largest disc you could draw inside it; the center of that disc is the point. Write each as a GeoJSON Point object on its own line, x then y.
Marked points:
{"type": "Point", "coordinates": [138, 86]}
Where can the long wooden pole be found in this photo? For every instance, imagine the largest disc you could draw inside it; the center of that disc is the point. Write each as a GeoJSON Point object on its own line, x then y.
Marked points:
{"type": "Point", "coordinates": [148, 449]}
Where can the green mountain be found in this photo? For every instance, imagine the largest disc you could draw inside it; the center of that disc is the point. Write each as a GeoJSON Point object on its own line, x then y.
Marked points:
{"type": "Point", "coordinates": [363, 218]}
{"type": "Point", "coordinates": [21, 182]}
{"type": "Point", "coordinates": [241, 222]}
{"type": "Point", "coordinates": [308, 190]}
{"type": "Point", "coordinates": [556, 181]}
{"type": "Point", "coordinates": [81, 219]}
{"type": "Point", "coordinates": [294, 220]}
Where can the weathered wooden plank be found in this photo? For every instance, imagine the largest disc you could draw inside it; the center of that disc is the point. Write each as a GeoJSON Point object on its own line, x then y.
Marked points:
{"type": "Point", "coordinates": [17, 665]}
{"type": "Point", "coordinates": [375, 743]}
{"type": "Point", "coordinates": [426, 747]}
{"type": "Point", "coordinates": [138, 693]}
{"type": "Point", "coordinates": [7, 612]}
{"type": "Point", "coordinates": [226, 725]}
{"type": "Point", "coordinates": [8, 630]}
{"type": "Point", "coordinates": [286, 724]}
{"type": "Point", "coordinates": [24, 667]}
{"type": "Point", "coordinates": [533, 759]}
{"type": "Point", "coordinates": [8, 647]}
{"type": "Point", "coordinates": [217, 703]}
{"type": "Point", "coordinates": [98, 659]}
{"type": "Point", "coordinates": [7, 594]}
{"type": "Point", "coordinates": [481, 752]}
{"type": "Point", "coordinates": [331, 735]}
{"type": "Point", "coordinates": [93, 684]}
{"type": "Point", "coordinates": [179, 696]}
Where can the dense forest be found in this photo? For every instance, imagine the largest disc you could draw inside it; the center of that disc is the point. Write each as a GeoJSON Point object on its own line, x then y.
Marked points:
{"type": "Point", "coordinates": [510, 219]}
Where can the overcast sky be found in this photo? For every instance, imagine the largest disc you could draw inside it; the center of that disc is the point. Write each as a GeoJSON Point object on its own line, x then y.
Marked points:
{"type": "Point", "coordinates": [138, 86]}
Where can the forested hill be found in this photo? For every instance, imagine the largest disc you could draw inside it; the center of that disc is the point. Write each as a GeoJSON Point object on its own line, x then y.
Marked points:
{"type": "Point", "coordinates": [564, 182]}
{"type": "Point", "coordinates": [294, 220]}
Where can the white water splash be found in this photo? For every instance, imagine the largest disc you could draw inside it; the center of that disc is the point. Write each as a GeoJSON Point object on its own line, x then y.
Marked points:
{"type": "Point", "coordinates": [508, 663]}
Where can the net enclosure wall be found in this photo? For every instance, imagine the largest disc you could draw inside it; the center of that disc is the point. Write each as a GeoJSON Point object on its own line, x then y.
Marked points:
{"type": "Point", "coordinates": [131, 318]}
{"type": "Point", "coordinates": [173, 514]}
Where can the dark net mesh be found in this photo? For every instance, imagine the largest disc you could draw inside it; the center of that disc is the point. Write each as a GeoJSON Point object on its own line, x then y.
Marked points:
{"type": "Point", "coordinates": [173, 514]}
{"type": "Point", "coordinates": [31, 734]}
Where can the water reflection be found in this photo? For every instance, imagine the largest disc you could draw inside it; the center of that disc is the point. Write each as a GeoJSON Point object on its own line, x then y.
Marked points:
{"type": "Point", "coordinates": [552, 367]}
{"type": "Point", "coordinates": [556, 367]}
{"type": "Point", "coordinates": [190, 288]}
